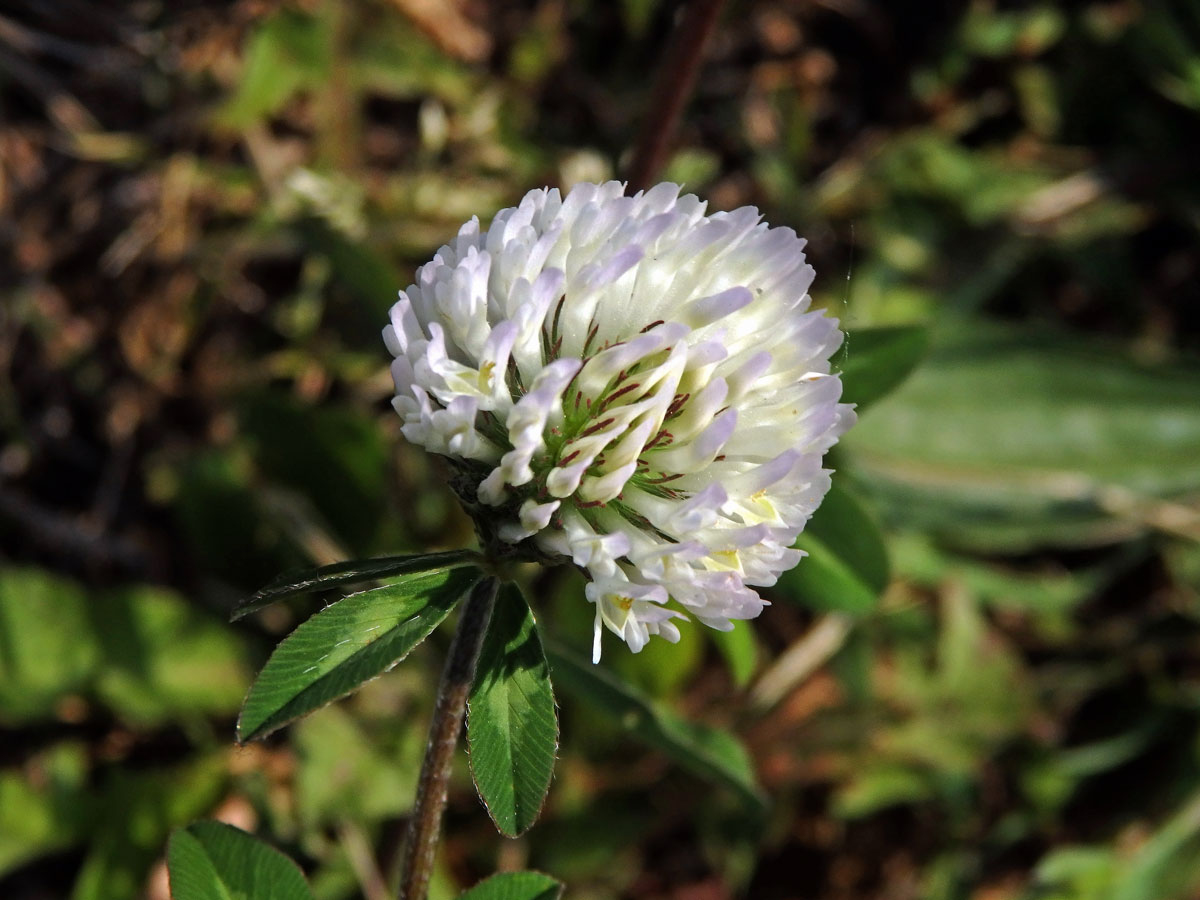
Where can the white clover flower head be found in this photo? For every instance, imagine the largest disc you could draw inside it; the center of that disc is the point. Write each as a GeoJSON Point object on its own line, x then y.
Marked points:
{"type": "Point", "coordinates": [631, 385]}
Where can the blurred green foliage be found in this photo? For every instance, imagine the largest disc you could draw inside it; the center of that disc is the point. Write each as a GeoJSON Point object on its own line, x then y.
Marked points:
{"type": "Point", "coordinates": [983, 683]}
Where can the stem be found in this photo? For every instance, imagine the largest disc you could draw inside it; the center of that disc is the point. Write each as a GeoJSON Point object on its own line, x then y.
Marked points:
{"type": "Point", "coordinates": [425, 826]}
{"type": "Point", "coordinates": [676, 78]}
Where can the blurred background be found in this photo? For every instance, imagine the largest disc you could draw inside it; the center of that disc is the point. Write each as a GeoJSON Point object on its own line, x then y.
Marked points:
{"type": "Point", "coordinates": [987, 684]}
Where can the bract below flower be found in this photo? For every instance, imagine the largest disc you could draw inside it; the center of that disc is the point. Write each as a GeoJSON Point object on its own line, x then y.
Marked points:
{"type": "Point", "coordinates": [631, 385]}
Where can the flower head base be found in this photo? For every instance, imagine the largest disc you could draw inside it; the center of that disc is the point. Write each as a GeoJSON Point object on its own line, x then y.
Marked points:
{"type": "Point", "coordinates": [632, 385]}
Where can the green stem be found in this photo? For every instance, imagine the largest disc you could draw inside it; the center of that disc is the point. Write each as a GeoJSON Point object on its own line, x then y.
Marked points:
{"type": "Point", "coordinates": [425, 826]}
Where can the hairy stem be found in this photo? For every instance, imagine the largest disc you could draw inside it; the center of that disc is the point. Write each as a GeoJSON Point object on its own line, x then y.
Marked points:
{"type": "Point", "coordinates": [425, 827]}
{"type": "Point", "coordinates": [676, 78]}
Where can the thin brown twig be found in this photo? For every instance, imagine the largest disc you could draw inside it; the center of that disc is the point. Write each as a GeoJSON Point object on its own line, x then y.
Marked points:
{"type": "Point", "coordinates": [425, 826]}
{"type": "Point", "coordinates": [676, 79]}
{"type": "Point", "coordinates": [358, 851]}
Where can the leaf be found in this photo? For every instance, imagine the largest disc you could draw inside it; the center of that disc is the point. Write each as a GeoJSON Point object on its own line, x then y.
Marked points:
{"type": "Point", "coordinates": [1015, 440]}
{"type": "Point", "coordinates": [666, 671]}
{"type": "Point", "coordinates": [142, 651]}
{"type": "Point", "coordinates": [288, 52]}
{"type": "Point", "coordinates": [47, 814]}
{"type": "Point", "coordinates": [847, 566]}
{"type": "Point", "coordinates": [366, 274]}
{"type": "Point", "coordinates": [348, 770]}
{"type": "Point", "coordinates": [224, 519]}
{"type": "Point", "coordinates": [47, 647]}
{"type": "Point", "coordinates": [339, 465]}
{"type": "Point", "coordinates": [512, 730]}
{"type": "Point", "coordinates": [877, 360]}
{"type": "Point", "coordinates": [1076, 873]}
{"type": "Point", "coordinates": [351, 572]}
{"type": "Point", "coordinates": [346, 644]}
{"type": "Point", "coordinates": [602, 835]}
{"type": "Point", "coordinates": [164, 659]}
{"type": "Point", "coordinates": [879, 787]}
{"type": "Point", "coordinates": [710, 753]}
{"type": "Point", "coordinates": [515, 886]}
{"type": "Point", "coordinates": [740, 650]}
{"type": "Point", "coordinates": [137, 809]}
{"type": "Point", "coordinates": [1168, 854]}
{"type": "Point", "coordinates": [214, 861]}
{"type": "Point", "coordinates": [1163, 865]}
{"type": "Point", "coordinates": [1047, 594]}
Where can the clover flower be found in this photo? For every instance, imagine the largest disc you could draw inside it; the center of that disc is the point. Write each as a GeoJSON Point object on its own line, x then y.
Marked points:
{"type": "Point", "coordinates": [630, 384]}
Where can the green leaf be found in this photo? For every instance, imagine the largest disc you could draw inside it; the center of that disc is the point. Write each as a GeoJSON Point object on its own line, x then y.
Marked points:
{"type": "Point", "coordinates": [136, 811]}
{"type": "Point", "coordinates": [224, 518]}
{"type": "Point", "coordinates": [515, 886]}
{"type": "Point", "coordinates": [352, 571]}
{"type": "Point", "coordinates": [47, 814]}
{"type": "Point", "coordinates": [351, 769]}
{"type": "Point", "coordinates": [667, 670]}
{"type": "Point", "coordinates": [339, 467]}
{"type": "Point", "coordinates": [346, 644]}
{"type": "Point", "coordinates": [144, 652]}
{"type": "Point", "coordinates": [847, 566]}
{"type": "Point", "coordinates": [366, 274]}
{"type": "Point", "coordinates": [1048, 594]}
{"type": "Point", "coordinates": [165, 659]}
{"type": "Point", "coordinates": [711, 753]}
{"type": "Point", "coordinates": [1010, 440]}
{"type": "Point", "coordinates": [879, 787]}
{"type": "Point", "coordinates": [47, 645]}
{"type": "Point", "coordinates": [877, 360]}
{"type": "Point", "coordinates": [512, 731]}
{"type": "Point", "coordinates": [740, 650]}
{"type": "Point", "coordinates": [1169, 855]}
{"type": "Point", "coordinates": [214, 861]}
{"type": "Point", "coordinates": [288, 52]}
{"type": "Point", "coordinates": [1165, 864]}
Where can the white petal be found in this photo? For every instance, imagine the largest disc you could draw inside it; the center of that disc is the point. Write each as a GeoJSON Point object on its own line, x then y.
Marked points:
{"type": "Point", "coordinates": [602, 347]}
